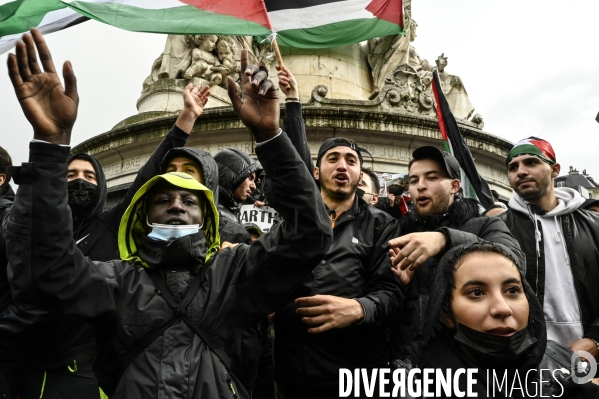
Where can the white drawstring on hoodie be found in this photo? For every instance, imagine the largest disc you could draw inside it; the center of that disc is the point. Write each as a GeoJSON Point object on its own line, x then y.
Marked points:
{"type": "Point", "coordinates": [559, 237]}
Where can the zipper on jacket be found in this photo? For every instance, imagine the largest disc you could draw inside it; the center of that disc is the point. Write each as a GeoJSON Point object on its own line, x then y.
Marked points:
{"type": "Point", "coordinates": [230, 384]}
{"type": "Point", "coordinates": [334, 216]}
{"type": "Point", "coordinates": [565, 247]}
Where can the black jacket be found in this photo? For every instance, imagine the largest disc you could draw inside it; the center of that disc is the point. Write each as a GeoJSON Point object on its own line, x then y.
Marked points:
{"type": "Point", "coordinates": [48, 339]}
{"type": "Point", "coordinates": [437, 349]}
{"type": "Point", "coordinates": [234, 167]}
{"type": "Point", "coordinates": [581, 234]}
{"type": "Point", "coordinates": [241, 285]}
{"type": "Point", "coordinates": [356, 266]}
{"type": "Point", "coordinates": [5, 205]}
{"type": "Point", "coordinates": [461, 225]}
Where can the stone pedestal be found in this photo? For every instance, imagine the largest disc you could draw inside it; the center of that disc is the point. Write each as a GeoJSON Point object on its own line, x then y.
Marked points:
{"type": "Point", "coordinates": [344, 70]}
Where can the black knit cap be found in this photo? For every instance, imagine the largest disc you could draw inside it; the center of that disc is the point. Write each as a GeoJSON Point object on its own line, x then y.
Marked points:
{"type": "Point", "coordinates": [234, 167]}
{"type": "Point", "coordinates": [339, 142]}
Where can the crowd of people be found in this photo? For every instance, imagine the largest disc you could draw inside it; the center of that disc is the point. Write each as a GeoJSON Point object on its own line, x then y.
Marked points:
{"type": "Point", "coordinates": [168, 295]}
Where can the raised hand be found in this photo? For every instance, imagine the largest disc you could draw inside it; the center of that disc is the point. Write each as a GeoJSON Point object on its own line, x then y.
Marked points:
{"type": "Point", "coordinates": [259, 106]}
{"type": "Point", "coordinates": [287, 82]}
{"type": "Point", "coordinates": [194, 101]}
{"type": "Point", "coordinates": [49, 108]}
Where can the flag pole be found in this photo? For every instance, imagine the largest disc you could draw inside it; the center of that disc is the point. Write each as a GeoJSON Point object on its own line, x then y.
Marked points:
{"type": "Point", "coordinates": [275, 47]}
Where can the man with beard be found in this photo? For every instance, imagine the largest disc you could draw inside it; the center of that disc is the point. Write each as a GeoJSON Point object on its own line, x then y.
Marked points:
{"type": "Point", "coordinates": [50, 352]}
{"type": "Point", "coordinates": [441, 221]}
{"type": "Point", "coordinates": [560, 241]}
{"type": "Point", "coordinates": [337, 317]}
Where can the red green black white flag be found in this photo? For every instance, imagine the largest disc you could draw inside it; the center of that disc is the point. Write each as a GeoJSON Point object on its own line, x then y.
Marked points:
{"type": "Point", "coordinates": [473, 184]}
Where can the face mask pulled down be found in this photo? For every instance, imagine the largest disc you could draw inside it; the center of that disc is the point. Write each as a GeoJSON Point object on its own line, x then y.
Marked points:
{"type": "Point", "coordinates": [167, 232]}
{"type": "Point", "coordinates": [486, 347]}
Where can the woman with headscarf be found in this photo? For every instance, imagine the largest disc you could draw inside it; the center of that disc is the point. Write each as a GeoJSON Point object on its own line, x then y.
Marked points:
{"type": "Point", "coordinates": [484, 315]}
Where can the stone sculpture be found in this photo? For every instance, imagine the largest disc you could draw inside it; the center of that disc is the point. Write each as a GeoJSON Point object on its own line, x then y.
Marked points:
{"type": "Point", "coordinates": [225, 50]}
{"type": "Point", "coordinates": [207, 57]}
{"type": "Point", "coordinates": [202, 58]}
{"type": "Point", "coordinates": [175, 59]}
{"type": "Point", "coordinates": [454, 91]}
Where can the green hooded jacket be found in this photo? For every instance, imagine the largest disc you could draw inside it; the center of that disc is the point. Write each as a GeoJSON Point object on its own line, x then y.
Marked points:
{"type": "Point", "coordinates": [133, 222]}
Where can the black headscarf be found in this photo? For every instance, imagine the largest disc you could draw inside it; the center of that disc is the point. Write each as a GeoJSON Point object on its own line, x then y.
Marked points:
{"type": "Point", "coordinates": [437, 348]}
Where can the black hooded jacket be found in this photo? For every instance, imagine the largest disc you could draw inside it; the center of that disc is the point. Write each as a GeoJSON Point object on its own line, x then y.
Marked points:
{"type": "Point", "coordinates": [38, 338]}
{"type": "Point", "coordinates": [240, 287]}
{"type": "Point", "coordinates": [461, 225]}
{"type": "Point", "coordinates": [5, 205]}
{"type": "Point", "coordinates": [581, 234]}
{"type": "Point", "coordinates": [436, 348]}
{"type": "Point", "coordinates": [229, 229]}
{"type": "Point", "coordinates": [234, 167]}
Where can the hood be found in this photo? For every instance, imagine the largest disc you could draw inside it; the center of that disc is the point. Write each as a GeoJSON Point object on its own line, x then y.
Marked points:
{"type": "Point", "coordinates": [203, 159]}
{"type": "Point", "coordinates": [440, 296]}
{"type": "Point", "coordinates": [133, 224]}
{"type": "Point", "coordinates": [234, 167]}
{"type": "Point", "coordinates": [102, 192]}
{"type": "Point", "coordinates": [568, 199]}
{"type": "Point", "coordinates": [7, 199]}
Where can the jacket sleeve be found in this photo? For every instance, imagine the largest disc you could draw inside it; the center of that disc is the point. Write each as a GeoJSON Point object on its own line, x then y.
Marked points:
{"type": "Point", "coordinates": [280, 260]}
{"type": "Point", "coordinates": [384, 290]}
{"type": "Point", "coordinates": [296, 130]}
{"type": "Point", "coordinates": [492, 230]}
{"type": "Point", "coordinates": [175, 138]}
{"type": "Point", "coordinates": [46, 267]}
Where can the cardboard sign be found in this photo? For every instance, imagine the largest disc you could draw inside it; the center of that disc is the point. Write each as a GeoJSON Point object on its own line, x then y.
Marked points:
{"type": "Point", "coordinates": [263, 216]}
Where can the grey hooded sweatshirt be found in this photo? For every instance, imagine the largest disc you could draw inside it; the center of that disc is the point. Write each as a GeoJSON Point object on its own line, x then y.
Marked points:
{"type": "Point", "coordinates": [560, 305]}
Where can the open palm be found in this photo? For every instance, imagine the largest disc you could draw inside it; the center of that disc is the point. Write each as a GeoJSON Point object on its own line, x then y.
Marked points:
{"type": "Point", "coordinates": [49, 108]}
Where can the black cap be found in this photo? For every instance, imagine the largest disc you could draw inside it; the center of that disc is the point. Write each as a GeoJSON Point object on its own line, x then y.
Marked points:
{"type": "Point", "coordinates": [339, 142]}
{"type": "Point", "coordinates": [452, 166]}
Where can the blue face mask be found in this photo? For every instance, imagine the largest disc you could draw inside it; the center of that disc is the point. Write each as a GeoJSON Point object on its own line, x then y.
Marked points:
{"type": "Point", "coordinates": [166, 232]}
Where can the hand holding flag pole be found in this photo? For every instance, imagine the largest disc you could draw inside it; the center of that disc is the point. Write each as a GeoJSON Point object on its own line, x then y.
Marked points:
{"type": "Point", "coordinates": [272, 38]}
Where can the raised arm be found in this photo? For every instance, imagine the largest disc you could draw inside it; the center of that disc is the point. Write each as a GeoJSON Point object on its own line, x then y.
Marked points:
{"type": "Point", "coordinates": [294, 122]}
{"type": "Point", "coordinates": [194, 98]}
{"type": "Point", "coordinates": [280, 260]}
{"type": "Point", "coordinates": [46, 267]}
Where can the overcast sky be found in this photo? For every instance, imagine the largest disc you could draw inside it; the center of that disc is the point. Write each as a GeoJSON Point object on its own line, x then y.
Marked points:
{"type": "Point", "coordinates": [530, 67]}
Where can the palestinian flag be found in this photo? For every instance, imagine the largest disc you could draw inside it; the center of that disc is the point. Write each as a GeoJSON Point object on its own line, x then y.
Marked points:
{"type": "Point", "coordinates": [473, 184]}
{"type": "Point", "coordinates": [184, 17]}
{"type": "Point", "coordinates": [533, 146]}
{"type": "Point", "coordinates": [298, 23]}
{"type": "Point", "coordinates": [331, 23]}
{"type": "Point", "coordinates": [19, 16]}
